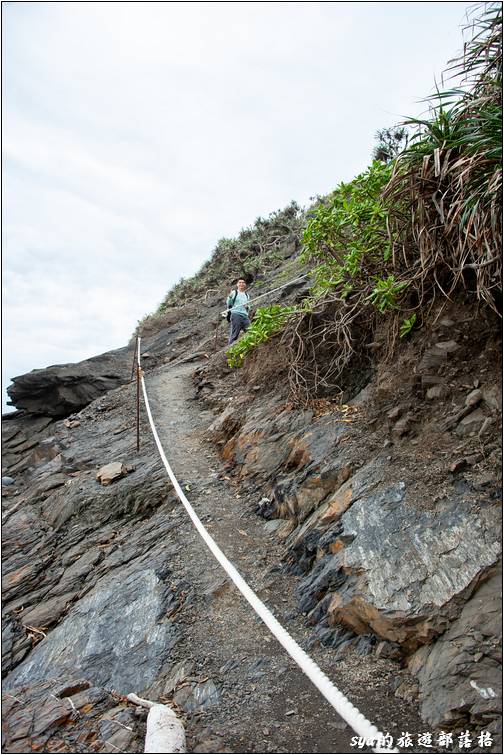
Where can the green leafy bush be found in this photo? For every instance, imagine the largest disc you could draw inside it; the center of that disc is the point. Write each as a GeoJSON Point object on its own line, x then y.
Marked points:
{"type": "Point", "coordinates": [347, 234]}
{"type": "Point", "coordinates": [267, 321]}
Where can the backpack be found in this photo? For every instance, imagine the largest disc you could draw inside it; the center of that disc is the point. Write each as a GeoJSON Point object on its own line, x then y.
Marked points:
{"type": "Point", "coordinates": [228, 315]}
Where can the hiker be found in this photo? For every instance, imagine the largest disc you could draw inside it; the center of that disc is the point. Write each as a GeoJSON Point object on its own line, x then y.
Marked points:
{"type": "Point", "coordinates": [237, 306]}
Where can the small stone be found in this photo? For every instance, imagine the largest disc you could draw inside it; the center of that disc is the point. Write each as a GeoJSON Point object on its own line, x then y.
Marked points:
{"type": "Point", "coordinates": [492, 398]}
{"type": "Point", "coordinates": [386, 649]}
{"type": "Point", "coordinates": [8, 481]}
{"type": "Point", "coordinates": [273, 525]}
{"type": "Point", "coordinates": [475, 458]}
{"type": "Point", "coordinates": [473, 398]}
{"type": "Point", "coordinates": [470, 424]}
{"type": "Point", "coordinates": [403, 426]}
{"type": "Point", "coordinates": [458, 466]}
{"type": "Point", "coordinates": [407, 690]}
{"type": "Point", "coordinates": [486, 426]}
{"type": "Point", "coordinates": [341, 725]}
{"type": "Point", "coordinates": [394, 413]}
{"type": "Point", "coordinates": [448, 346]}
{"type": "Point", "coordinates": [111, 472]}
{"type": "Point", "coordinates": [436, 391]}
{"type": "Point", "coordinates": [71, 423]}
{"type": "Point", "coordinates": [216, 588]}
{"type": "Point", "coordinates": [292, 712]}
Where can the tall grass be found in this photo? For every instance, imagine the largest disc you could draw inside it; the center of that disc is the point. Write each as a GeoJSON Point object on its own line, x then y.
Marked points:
{"type": "Point", "coordinates": [445, 195]}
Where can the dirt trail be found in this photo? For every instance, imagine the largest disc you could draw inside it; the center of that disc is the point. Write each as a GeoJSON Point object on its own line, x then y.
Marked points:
{"type": "Point", "coordinates": [265, 704]}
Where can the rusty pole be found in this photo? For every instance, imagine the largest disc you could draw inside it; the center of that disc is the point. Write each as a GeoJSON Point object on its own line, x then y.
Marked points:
{"type": "Point", "coordinates": [137, 354]}
{"type": "Point", "coordinates": [138, 408]}
{"type": "Point", "coordinates": [134, 360]}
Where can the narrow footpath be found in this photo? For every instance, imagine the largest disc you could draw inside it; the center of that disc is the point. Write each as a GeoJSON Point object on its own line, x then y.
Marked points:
{"type": "Point", "coordinates": [256, 700]}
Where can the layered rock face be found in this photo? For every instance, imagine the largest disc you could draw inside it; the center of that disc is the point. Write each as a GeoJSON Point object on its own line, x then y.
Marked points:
{"type": "Point", "coordinates": [389, 508]}
{"type": "Point", "coordinates": [87, 585]}
{"type": "Point", "coordinates": [69, 714]}
{"type": "Point", "coordinates": [463, 670]}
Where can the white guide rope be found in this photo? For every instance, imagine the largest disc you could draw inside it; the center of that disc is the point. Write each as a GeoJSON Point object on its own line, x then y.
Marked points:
{"type": "Point", "coordinates": [340, 703]}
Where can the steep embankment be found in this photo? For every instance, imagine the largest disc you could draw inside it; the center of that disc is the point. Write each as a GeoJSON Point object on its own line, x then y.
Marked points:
{"type": "Point", "coordinates": [388, 502]}
{"type": "Point", "coordinates": [382, 529]}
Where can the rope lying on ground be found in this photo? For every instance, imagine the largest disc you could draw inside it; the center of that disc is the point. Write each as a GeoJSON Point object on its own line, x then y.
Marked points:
{"type": "Point", "coordinates": [342, 706]}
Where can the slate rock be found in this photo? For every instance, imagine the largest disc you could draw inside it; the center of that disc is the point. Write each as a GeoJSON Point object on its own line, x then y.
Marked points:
{"type": "Point", "coordinates": [61, 390]}
{"type": "Point", "coordinates": [460, 675]}
{"type": "Point", "coordinates": [197, 696]}
{"type": "Point", "coordinates": [407, 572]}
{"type": "Point", "coordinates": [437, 391]}
{"type": "Point", "coordinates": [47, 612]}
{"type": "Point", "coordinates": [66, 715]}
{"type": "Point", "coordinates": [113, 635]}
{"type": "Point", "coordinates": [474, 397]}
{"type": "Point", "coordinates": [179, 672]}
{"type": "Point", "coordinates": [472, 423]}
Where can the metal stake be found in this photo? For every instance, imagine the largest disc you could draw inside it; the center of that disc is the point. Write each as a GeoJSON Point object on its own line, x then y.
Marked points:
{"type": "Point", "coordinates": [134, 360]}
{"type": "Point", "coordinates": [138, 393]}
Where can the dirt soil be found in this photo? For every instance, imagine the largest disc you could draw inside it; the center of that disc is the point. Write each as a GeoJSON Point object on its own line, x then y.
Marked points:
{"type": "Point", "coordinates": [264, 701]}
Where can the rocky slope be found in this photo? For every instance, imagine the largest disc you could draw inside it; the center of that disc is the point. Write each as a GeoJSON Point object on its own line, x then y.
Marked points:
{"type": "Point", "coordinates": [369, 520]}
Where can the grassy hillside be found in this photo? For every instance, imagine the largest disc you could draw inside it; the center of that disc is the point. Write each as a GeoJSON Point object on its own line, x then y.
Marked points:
{"type": "Point", "coordinates": [416, 227]}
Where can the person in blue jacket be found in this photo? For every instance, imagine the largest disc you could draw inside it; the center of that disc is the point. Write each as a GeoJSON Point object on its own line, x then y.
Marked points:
{"type": "Point", "coordinates": [237, 305]}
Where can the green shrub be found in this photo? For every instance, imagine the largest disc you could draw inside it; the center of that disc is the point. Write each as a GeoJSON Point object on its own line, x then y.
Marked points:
{"type": "Point", "coordinates": [267, 321]}
{"type": "Point", "coordinates": [347, 234]}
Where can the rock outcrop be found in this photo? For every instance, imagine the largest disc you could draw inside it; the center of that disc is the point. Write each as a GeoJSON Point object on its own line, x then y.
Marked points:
{"type": "Point", "coordinates": [61, 390]}
{"type": "Point", "coordinates": [69, 714]}
{"type": "Point", "coordinates": [461, 674]}
{"type": "Point", "coordinates": [392, 523]}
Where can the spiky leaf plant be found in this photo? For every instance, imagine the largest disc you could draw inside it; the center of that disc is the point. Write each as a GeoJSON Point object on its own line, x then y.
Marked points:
{"type": "Point", "coordinates": [445, 195]}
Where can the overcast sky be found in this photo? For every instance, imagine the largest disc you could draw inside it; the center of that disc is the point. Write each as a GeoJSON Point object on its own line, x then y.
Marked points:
{"type": "Point", "coordinates": [135, 135]}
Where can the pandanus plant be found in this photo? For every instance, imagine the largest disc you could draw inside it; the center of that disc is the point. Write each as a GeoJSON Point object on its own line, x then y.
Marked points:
{"type": "Point", "coordinates": [445, 194]}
